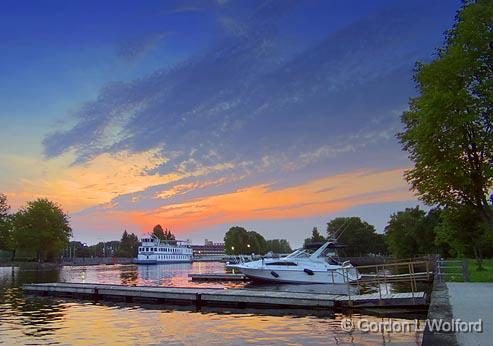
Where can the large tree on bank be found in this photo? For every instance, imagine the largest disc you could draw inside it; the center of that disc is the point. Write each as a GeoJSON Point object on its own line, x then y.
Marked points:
{"type": "Point", "coordinates": [449, 126]}
{"type": "Point", "coordinates": [42, 227]}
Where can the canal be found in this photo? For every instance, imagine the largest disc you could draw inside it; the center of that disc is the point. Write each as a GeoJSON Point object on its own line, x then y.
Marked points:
{"type": "Point", "coordinates": [40, 320]}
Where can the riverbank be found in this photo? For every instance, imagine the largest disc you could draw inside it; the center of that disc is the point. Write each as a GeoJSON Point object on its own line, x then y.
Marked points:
{"type": "Point", "coordinates": [72, 262]}
{"type": "Point", "coordinates": [30, 265]}
{"type": "Point", "coordinates": [88, 261]}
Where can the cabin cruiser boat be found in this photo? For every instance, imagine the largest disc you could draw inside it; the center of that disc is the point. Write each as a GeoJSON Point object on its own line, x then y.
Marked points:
{"type": "Point", "coordinates": [301, 267]}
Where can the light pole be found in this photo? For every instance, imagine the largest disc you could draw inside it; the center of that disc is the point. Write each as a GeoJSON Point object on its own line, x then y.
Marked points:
{"type": "Point", "coordinates": [233, 249]}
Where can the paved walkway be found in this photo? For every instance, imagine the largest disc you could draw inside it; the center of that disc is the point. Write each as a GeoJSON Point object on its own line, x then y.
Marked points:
{"type": "Point", "coordinates": [470, 302]}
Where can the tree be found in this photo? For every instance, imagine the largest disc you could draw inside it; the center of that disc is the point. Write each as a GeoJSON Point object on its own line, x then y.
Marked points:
{"type": "Point", "coordinates": [6, 240]}
{"type": "Point", "coordinates": [413, 232]}
{"type": "Point", "coordinates": [129, 245]}
{"type": "Point", "coordinates": [316, 237]}
{"type": "Point", "coordinates": [278, 246]}
{"type": "Point", "coordinates": [256, 243]}
{"type": "Point", "coordinates": [462, 231]}
{"type": "Point", "coordinates": [42, 227]}
{"type": "Point", "coordinates": [359, 237]}
{"type": "Point", "coordinates": [162, 234]}
{"type": "Point", "coordinates": [157, 232]}
{"type": "Point", "coordinates": [240, 241]}
{"type": "Point", "coordinates": [449, 127]}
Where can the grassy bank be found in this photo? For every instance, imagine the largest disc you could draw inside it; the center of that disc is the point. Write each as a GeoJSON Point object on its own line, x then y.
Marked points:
{"type": "Point", "coordinates": [481, 276]}
{"type": "Point", "coordinates": [455, 272]}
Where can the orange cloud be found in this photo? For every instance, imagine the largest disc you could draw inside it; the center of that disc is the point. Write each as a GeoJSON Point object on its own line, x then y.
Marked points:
{"type": "Point", "coordinates": [78, 187]}
{"type": "Point", "coordinates": [317, 197]}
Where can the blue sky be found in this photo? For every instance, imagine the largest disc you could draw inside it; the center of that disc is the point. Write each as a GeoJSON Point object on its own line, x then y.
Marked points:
{"type": "Point", "coordinates": [199, 115]}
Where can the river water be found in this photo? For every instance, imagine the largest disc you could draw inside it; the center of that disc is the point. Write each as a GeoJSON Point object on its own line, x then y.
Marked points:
{"type": "Point", "coordinates": [47, 320]}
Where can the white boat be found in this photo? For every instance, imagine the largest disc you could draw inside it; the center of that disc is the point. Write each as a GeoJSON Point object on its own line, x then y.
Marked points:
{"type": "Point", "coordinates": [153, 251]}
{"type": "Point", "coordinates": [302, 268]}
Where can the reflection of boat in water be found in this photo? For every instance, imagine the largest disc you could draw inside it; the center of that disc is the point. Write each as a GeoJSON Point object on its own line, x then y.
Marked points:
{"type": "Point", "coordinates": [153, 251]}
{"type": "Point", "coordinates": [301, 267]}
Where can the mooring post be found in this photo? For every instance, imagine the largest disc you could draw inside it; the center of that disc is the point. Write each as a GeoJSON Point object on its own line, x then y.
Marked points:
{"type": "Point", "coordinates": [385, 279]}
{"type": "Point", "coordinates": [378, 284]}
{"type": "Point", "coordinates": [411, 277]}
{"type": "Point", "coordinates": [346, 279]}
{"type": "Point", "coordinates": [465, 269]}
{"type": "Point", "coordinates": [427, 266]}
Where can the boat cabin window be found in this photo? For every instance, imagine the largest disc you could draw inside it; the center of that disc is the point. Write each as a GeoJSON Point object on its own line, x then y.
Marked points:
{"type": "Point", "coordinates": [283, 263]}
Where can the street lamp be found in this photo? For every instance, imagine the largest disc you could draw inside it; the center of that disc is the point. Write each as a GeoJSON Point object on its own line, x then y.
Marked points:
{"type": "Point", "coordinates": [233, 249]}
{"type": "Point", "coordinates": [248, 245]}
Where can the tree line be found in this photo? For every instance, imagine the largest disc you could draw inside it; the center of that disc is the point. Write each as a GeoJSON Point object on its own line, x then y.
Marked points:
{"type": "Point", "coordinates": [240, 241]}
{"type": "Point", "coordinates": [127, 246]}
{"type": "Point", "coordinates": [409, 233]}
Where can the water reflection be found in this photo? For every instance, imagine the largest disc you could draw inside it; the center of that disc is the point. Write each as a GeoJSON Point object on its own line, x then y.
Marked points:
{"type": "Point", "coordinates": [43, 320]}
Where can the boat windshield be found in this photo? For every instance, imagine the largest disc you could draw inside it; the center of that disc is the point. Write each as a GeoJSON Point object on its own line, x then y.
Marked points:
{"type": "Point", "coordinates": [300, 253]}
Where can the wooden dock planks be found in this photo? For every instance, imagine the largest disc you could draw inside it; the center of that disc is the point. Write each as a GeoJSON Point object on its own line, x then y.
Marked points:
{"type": "Point", "coordinates": [220, 297]}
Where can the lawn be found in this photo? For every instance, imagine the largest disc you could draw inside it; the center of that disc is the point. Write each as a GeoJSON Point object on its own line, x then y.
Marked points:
{"type": "Point", "coordinates": [481, 276]}
{"type": "Point", "coordinates": [454, 272]}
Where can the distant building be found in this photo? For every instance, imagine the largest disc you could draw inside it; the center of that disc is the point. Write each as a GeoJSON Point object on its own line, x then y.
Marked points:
{"type": "Point", "coordinates": [209, 249]}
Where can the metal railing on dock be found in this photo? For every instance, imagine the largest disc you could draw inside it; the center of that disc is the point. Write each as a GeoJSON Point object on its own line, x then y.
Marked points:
{"type": "Point", "coordinates": [455, 270]}
{"type": "Point", "coordinates": [407, 272]}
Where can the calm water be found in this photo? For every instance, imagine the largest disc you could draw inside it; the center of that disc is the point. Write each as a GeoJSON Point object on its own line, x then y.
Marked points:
{"type": "Point", "coordinates": [37, 320]}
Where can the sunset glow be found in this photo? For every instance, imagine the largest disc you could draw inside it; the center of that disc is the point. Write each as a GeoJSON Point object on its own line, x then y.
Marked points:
{"type": "Point", "coordinates": [273, 115]}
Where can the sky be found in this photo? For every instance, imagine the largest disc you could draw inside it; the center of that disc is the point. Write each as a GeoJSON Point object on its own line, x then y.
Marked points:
{"type": "Point", "coordinates": [201, 115]}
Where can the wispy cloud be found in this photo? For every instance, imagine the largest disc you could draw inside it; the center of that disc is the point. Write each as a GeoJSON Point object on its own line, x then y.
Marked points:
{"type": "Point", "coordinates": [77, 187]}
{"type": "Point", "coordinates": [217, 100]}
{"type": "Point", "coordinates": [186, 8]}
{"type": "Point", "coordinates": [135, 48]}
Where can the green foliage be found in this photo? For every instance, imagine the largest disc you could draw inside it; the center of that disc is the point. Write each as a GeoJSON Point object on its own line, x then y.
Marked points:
{"type": "Point", "coordinates": [278, 246]}
{"type": "Point", "coordinates": [4, 207]}
{"type": "Point", "coordinates": [129, 245]}
{"type": "Point", "coordinates": [162, 234]}
{"type": "Point", "coordinates": [77, 249]}
{"type": "Point", "coordinates": [359, 236]}
{"type": "Point", "coordinates": [412, 232]}
{"type": "Point", "coordinates": [42, 227]}
{"type": "Point", "coordinates": [462, 230]}
{"type": "Point", "coordinates": [6, 241]}
{"type": "Point", "coordinates": [240, 241]}
{"type": "Point", "coordinates": [483, 275]}
{"type": "Point", "coordinates": [449, 126]}
{"type": "Point", "coordinates": [315, 238]}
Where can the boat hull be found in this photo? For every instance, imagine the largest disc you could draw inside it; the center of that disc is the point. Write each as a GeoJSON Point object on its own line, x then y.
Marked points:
{"type": "Point", "coordinates": [297, 277]}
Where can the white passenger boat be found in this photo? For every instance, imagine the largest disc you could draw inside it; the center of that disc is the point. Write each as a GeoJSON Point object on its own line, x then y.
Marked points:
{"type": "Point", "coordinates": [153, 251]}
{"type": "Point", "coordinates": [302, 268]}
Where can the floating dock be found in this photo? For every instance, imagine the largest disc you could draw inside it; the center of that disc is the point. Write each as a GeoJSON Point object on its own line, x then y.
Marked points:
{"type": "Point", "coordinates": [225, 297]}
{"type": "Point", "coordinates": [217, 277]}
